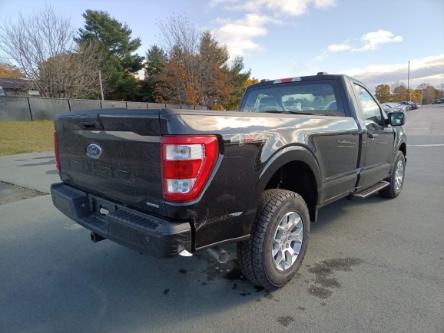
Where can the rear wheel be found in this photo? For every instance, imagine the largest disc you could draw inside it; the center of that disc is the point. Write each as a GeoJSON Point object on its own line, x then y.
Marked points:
{"type": "Point", "coordinates": [279, 239]}
{"type": "Point", "coordinates": [396, 178]}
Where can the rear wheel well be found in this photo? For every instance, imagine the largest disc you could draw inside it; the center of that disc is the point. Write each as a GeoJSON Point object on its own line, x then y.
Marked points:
{"type": "Point", "coordinates": [403, 148]}
{"type": "Point", "coordinates": [297, 176]}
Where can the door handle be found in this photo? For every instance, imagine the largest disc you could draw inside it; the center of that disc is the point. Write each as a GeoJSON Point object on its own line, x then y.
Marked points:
{"type": "Point", "coordinates": [373, 135]}
{"type": "Point", "coordinates": [345, 142]}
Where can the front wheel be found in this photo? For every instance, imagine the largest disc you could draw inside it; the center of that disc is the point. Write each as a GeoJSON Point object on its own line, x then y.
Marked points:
{"type": "Point", "coordinates": [279, 239]}
{"type": "Point", "coordinates": [396, 179]}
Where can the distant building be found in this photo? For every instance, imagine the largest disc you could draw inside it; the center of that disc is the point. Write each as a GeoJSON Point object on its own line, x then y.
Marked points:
{"type": "Point", "coordinates": [16, 87]}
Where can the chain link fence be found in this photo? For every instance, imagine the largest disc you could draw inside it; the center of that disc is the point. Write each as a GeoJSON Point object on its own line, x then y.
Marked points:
{"type": "Point", "coordinates": [40, 108]}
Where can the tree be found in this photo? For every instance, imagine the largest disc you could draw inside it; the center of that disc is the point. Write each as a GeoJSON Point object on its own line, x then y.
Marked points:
{"type": "Point", "coordinates": [178, 34]}
{"type": "Point", "coordinates": [400, 89]}
{"type": "Point", "coordinates": [415, 96]}
{"type": "Point", "coordinates": [240, 80]}
{"type": "Point", "coordinates": [428, 92]}
{"type": "Point", "coordinates": [120, 63]}
{"type": "Point", "coordinates": [401, 93]}
{"type": "Point", "coordinates": [10, 72]}
{"type": "Point", "coordinates": [197, 69]}
{"type": "Point", "coordinates": [156, 59]}
{"type": "Point", "coordinates": [382, 93]}
{"type": "Point", "coordinates": [214, 86]}
{"type": "Point", "coordinates": [178, 83]}
{"type": "Point", "coordinates": [72, 74]}
{"type": "Point", "coordinates": [42, 47]}
{"type": "Point", "coordinates": [33, 40]}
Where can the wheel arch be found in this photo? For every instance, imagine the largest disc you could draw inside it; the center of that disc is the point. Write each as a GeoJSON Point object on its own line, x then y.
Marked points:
{"type": "Point", "coordinates": [403, 148]}
{"type": "Point", "coordinates": [295, 169]}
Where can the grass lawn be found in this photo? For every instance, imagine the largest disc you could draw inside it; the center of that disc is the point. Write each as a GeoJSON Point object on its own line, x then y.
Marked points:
{"type": "Point", "coordinates": [25, 136]}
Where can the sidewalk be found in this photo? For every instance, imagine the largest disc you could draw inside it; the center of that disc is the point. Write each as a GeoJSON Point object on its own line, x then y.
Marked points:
{"type": "Point", "coordinates": [34, 170]}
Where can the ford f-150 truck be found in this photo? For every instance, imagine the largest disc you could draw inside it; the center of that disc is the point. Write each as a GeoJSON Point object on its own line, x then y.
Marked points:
{"type": "Point", "coordinates": [172, 182]}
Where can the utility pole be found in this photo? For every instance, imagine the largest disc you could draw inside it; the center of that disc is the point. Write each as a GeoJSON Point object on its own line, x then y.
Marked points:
{"type": "Point", "coordinates": [408, 81]}
{"type": "Point", "coordinates": [101, 87]}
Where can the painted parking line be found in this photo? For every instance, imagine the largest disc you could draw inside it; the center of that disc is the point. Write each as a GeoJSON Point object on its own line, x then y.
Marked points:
{"type": "Point", "coordinates": [428, 145]}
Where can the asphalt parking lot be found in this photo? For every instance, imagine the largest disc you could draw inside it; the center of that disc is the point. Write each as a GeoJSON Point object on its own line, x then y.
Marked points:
{"type": "Point", "coordinates": [373, 265]}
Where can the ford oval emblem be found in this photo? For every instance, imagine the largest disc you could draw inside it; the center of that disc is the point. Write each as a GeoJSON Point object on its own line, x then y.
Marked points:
{"type": "Point", "coordinates": [93, 151]}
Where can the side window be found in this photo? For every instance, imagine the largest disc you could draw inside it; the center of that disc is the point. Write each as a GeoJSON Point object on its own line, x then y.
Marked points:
{"type": "Point", "coordinates": [370, 110]}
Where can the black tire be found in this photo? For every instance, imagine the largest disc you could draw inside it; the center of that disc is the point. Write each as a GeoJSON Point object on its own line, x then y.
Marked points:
{"type": "Point", "coordinates": [255, 256]}
{"type": "Point", "coordinates": [391, 191]}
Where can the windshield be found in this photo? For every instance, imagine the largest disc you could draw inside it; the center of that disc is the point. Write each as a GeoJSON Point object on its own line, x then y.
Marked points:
{"type": "Point", "coordinates": [301, 97]}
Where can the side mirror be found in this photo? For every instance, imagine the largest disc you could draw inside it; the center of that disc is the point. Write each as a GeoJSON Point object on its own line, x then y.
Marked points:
{"type": "Point", "coordinates": [396, 118]}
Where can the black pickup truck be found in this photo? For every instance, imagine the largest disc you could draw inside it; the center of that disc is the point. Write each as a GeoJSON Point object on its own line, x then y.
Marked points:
{"type": "Point", "coordinates": [172, 182]}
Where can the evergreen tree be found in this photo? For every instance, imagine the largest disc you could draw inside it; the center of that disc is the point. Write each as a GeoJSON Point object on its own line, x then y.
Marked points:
{"type": "Point", "coordinates": [120, 61]}
{"type": "Point", "coordinates": [156, 59]}
{"type": "Point", "coordinates": [240, 79]}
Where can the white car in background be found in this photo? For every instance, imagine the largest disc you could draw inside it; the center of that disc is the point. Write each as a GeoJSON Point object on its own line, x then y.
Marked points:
{"type": "Point", "coordinates": [391, 107]}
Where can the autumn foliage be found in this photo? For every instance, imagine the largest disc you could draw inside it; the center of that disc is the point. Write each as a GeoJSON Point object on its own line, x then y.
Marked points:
{"type": "Point", "coordinates": [423, 94]}
{"type": "Point", "coordinates": [10, 72]}
{"type": "Point", "coordinates": [194, 69]}
{"type": "Point", "coordinates": [191, 68]}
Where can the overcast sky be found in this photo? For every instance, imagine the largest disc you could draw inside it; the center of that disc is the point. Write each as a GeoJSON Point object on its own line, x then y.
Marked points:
{"type": "Point", "coordinates": [372, 40]}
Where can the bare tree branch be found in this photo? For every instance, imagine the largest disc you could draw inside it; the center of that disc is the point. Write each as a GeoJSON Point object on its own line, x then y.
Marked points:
{"type": "Point", "coordinates": [73, 74]}
{"type": "Point", "coordinates": [42, 47]}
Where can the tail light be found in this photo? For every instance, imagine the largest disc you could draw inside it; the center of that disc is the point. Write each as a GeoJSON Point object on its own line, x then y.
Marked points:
{"type": "Point", "coordinates": [56, 151]}
{"type": "Point", "coordinates": [187, 162]}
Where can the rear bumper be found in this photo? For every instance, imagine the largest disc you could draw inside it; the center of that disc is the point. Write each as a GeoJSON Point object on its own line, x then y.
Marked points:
{"type": "Point", "coordinates": [129, 227]}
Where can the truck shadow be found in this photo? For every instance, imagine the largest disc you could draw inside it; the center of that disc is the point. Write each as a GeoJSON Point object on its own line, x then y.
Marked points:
{"type": "Point", "coordinates": [71, 284]}
{"type": "Point", "coordinates": [60, 281]}
{"type": "Point", "coordinates": [339, 210]}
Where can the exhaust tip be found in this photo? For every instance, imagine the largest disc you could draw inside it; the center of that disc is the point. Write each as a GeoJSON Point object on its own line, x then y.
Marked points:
{"type": "Point", "coordinates": [219, 254]}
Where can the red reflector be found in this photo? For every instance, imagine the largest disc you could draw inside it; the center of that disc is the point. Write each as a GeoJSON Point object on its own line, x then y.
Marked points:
{"type": "Point", "coordinates": [182, 169]}
{"type": "Point", "coordinates": [56, 151]}
{"type": "Point", "coordinates": [187, 162]}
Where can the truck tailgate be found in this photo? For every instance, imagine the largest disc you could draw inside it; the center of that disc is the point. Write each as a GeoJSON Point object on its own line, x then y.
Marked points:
{"type": "Point", "coordinates": [113, 153]}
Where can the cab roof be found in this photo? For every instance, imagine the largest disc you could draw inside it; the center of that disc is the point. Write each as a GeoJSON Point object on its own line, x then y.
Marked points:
{"type": "Point", "coordinates": [318, 76]}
